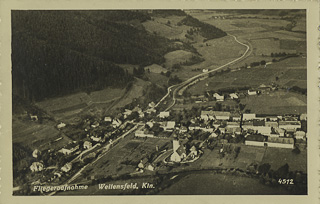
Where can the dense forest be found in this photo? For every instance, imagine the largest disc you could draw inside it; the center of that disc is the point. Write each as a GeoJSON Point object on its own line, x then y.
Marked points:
{"type": "Point", "coordinates": [206, 30]}
{"type": "Point", "coordinates": [60, 52]}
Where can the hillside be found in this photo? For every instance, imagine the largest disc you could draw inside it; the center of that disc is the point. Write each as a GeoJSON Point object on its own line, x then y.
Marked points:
{"type": "Point", "coordinates": [60, 52]}
{"type": "Point", "coordinates": [206, 30]}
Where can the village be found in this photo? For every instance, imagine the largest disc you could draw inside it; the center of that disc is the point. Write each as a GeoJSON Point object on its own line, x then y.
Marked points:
{"type": "Point", "coordinates": [189, 132]}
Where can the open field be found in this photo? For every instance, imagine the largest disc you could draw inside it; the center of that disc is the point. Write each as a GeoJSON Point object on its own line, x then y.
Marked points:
{"type": "Point", "coordinates": [277, 157]}
{"type": "Point", "coordinates": [106, 95]}
{"type": "Point", "coordinates": [158, 79]}
{"type": "Point", "coordinates": [279, 103]}
{"type": "Point", "coordinates": [216, 52]}
{"type": "Point", "coordinates": [176, 57]}
{"type": "Point", "coordinates": [37, 136]}
{"type": "Point", "coordinates": [219, 184]}
{"type": "Point", "coordinates": [155, 68]}
{"type": "Point", "coordinates": [161, 27]}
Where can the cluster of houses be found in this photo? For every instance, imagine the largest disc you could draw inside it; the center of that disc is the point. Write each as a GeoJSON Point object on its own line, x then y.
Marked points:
{"type": "Point", "coordinates": [273, 131]}
{"type": "Point", "coordinates": [262, 89]}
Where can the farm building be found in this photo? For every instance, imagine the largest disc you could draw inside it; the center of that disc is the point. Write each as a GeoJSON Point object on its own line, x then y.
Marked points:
{"type": "Point", "coordinates": [252, 92]}
{"type": "Point", "coordinates": [249, 116]}
{"type": "Point", "coordinates": [164, 114]}
{"type": "Point", "coordinates": [281, 142]}
{"type": "Point", "coordinates": [69, 149]}
{"type": "Point", "coordinates": [255, 140]}
{"type": "Point", "coordinates": [207, 115]}
{"type": "Point", "coordinates": [290, 125]}
{"type": "Point", "coordinates": [221, 115]}
{"type": "Point", "coordinates": [233, 124]}
{"type": "Point", "coordinates": [169, 126]}
{"type": "Point", "coordinates": [235, 116]}
{"type": "Point", "coordinates": [96, 139]}
{"type": "Point", "coordinates": [140, 133]}
{"type": "Point", "coordinates": [271, 124]}
{"type": "Point", "coordinates": [271, 118]}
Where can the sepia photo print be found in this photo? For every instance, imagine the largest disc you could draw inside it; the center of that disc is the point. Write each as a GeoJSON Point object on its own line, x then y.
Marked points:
{"type": "Point", "coordinates": [159, 102]}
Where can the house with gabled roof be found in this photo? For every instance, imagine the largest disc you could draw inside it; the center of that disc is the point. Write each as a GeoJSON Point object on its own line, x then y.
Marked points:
{"type": "Point", "coordinates": [248, 116]}
{"type": "Point", "coordinates": [218, 97]}
{"type": "Point", "coordinates": [164, 114]}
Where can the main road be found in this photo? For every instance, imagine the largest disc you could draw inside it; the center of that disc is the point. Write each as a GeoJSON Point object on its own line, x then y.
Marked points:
{"type": "Point", "coordinates": [183, 84]}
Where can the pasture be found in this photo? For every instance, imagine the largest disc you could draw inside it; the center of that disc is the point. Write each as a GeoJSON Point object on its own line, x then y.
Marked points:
{"type": "Point", "coordinates": [277, 157]}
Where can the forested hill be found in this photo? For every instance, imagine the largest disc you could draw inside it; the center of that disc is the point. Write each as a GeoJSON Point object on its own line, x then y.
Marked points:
{"type": "Point", "coordinates": [60, 52]}
{"type": "Point", "coordinates": [208, 31]}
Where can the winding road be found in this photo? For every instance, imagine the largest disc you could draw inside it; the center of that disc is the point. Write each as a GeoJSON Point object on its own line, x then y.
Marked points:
{"type": "Point", "coordinates": [188, 81]}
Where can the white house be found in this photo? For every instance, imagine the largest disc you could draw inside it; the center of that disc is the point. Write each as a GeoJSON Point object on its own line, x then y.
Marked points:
{"type": "Point", "coordinates": [252, 92]}
{"type": "Point", "coordinates": [248, 116]}
{"type": "Point", "coordinates": [36, 166]}
{"type": "Point", "coordinates": [150, 124]}
{"type": "Point", "coordinates": [152, 104]}
{"type": "Point", "coordinates": [218, 97]}
{"type": "Point", "coordinates": [87, 145]}
{"type": "Point", "coordinates": [107, 119]}
{"type": "Point", "coordinates": [67, 167]}
{"type": "Point", "coordinates": [205, 70]}
{"type": "Point", "coordinates": [233, 96]}
{"type": "Point", "coordinates": [164, 114]}
{"type": "Point", "coordinates": [69, 149]}
{"type": "Point", "coordinates": [116, 123]}
{"type": "Point", "coordinates": [35, 153]}
{"type": "Point", "coordinates": [303, 116]}
{"type": "Point", "coordinates": [96, 139]}
{"type": "Point", "coordinates": [300, 135]}
{"type": "Point", "coordinates": [169, 126]}
{"type": "Point", "coordinates": [61, 125]}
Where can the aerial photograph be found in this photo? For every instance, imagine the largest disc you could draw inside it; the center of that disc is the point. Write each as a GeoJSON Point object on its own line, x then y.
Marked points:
{"type": "Point", "coordinates": [159, 102]}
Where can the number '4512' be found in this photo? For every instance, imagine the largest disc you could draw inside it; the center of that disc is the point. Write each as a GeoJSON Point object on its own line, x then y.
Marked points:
{"type": "Point", "coordinates": [286, 181]}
